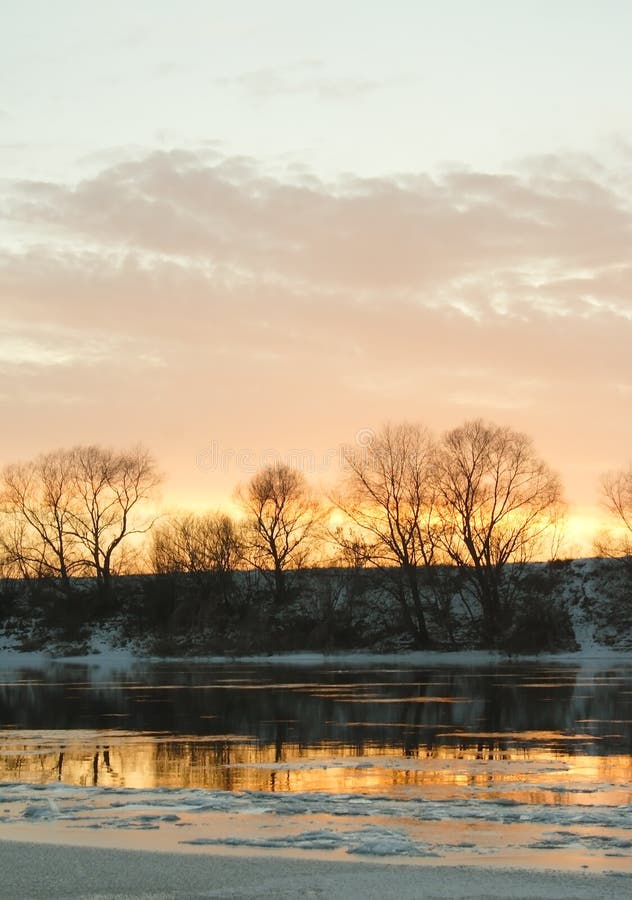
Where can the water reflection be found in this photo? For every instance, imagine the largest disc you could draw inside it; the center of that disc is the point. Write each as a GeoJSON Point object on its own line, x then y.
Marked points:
{"type": "Point", "coordinates": [533, 733]}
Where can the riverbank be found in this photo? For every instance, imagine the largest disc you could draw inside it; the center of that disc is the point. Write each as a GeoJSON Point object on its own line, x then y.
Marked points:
{"type": "Point", "coordinates": [561, 608]}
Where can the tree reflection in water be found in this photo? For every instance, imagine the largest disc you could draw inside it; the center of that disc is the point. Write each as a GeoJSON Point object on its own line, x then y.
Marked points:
{"type": "Point", "coordinates": [375, 730]}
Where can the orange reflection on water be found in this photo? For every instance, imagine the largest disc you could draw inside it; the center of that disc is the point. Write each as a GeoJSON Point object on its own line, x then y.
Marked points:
{"type": "Point", "coordinates": [542, 774]}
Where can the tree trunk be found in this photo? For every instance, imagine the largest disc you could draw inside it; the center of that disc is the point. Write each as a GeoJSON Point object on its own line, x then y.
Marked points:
{"type": "Point", "coordinates": [422, 636]}
{"type": "Point", "coordinates": [280, 586]}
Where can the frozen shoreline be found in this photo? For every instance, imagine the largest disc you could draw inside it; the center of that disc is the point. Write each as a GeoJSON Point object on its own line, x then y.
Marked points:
{"type": "Point", "coordinates": [475, 832]}
{"type": "Point", "coordinates": [109, 658]}
{"type": "Point", "coordinates": [49, 870]}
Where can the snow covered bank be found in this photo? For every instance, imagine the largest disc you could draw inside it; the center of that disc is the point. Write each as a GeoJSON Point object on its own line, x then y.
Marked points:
{"type": "Point", "coordinates": [560, 606]}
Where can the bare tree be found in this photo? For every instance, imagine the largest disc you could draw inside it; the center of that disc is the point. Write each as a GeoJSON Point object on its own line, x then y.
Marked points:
{"type": "Point", "coordinates": [281, 517]}
{"type": "Point", "coordinates": [389, 495]}
{"type": "Point", "coordinates": [352, 549]}
{"type": "Point", "coordinates": [196, 543]}
{"type": "Point", "coordinates": [109, 489]}
{"type": "Point", "coordinates": [617, 495]}
{"type": "Point", "coordinates": [36, 498]}
{"type": "Point", "coordinates": [497, 502]}
{"type": "Point", "coordinates": [68, 512]}
{"type": "Point", "coordinates": [207, 547]}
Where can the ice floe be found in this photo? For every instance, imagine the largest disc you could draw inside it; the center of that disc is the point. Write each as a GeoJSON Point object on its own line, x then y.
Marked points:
{"type": "Point", "coordinates": [376, 826]}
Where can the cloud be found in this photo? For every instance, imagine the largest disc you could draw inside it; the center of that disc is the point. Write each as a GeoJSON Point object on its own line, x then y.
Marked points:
{"type": "Point", "coordinates": [27, 347]}
{"type": "Point", "coordinates": [162, 243]}
{"type": "Point", "coordinates": [555, 240]}
{"type": "Point", "coordinates": [26, 351]}
{"type": "Point", "coordinates": [304, 77]}
{"type": "Point", "coordinates": [174, 293]}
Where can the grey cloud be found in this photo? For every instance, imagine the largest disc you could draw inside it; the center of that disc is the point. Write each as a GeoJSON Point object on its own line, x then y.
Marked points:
{"type": "Point", "coordinates": [212, 287]}
{"type": "Point", "coordinates": [304, 77]}
{"type": "Point", "coordinates": [176, 308]}
{"type": "Point", "coordinates": [414, 236]}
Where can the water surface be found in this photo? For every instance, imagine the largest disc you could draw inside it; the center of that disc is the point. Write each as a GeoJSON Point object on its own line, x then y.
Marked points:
{"type": "Point", "coordinates": [549, 733]}
{"type": "Point", "coordinates": [521, 764]}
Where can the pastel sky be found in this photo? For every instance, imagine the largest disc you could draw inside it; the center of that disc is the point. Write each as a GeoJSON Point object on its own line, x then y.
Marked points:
{"type": "Point", "coordinates": [237, 231]}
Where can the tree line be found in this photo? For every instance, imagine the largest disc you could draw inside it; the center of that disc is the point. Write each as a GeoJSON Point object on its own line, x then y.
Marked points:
{"type": "Point", "coordinates": [457, 516]}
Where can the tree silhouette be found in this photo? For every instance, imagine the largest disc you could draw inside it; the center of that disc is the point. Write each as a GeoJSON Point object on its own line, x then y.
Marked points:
{"type": "Point", "coordinates": [281, 516]}
{"type": "Point", "coordinates": [388, 494]}
{"type": "Point", "coordinates": [617, 494]}
{"type": "Point", "coordinates": [497, 502]}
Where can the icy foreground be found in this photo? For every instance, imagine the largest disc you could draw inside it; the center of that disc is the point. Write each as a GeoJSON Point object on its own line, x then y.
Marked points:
{"type": "Point", "coordinates": [40, 871]}
{"type": "Point", "coordinates": [475, 831]}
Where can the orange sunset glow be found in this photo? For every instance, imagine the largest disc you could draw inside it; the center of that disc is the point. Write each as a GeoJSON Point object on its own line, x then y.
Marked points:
{"type": "Point", "coordinates": [263, 241]}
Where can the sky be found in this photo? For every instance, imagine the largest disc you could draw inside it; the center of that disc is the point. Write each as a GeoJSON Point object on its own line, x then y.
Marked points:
{"type": "Point", "coordinates": [239, 231]}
